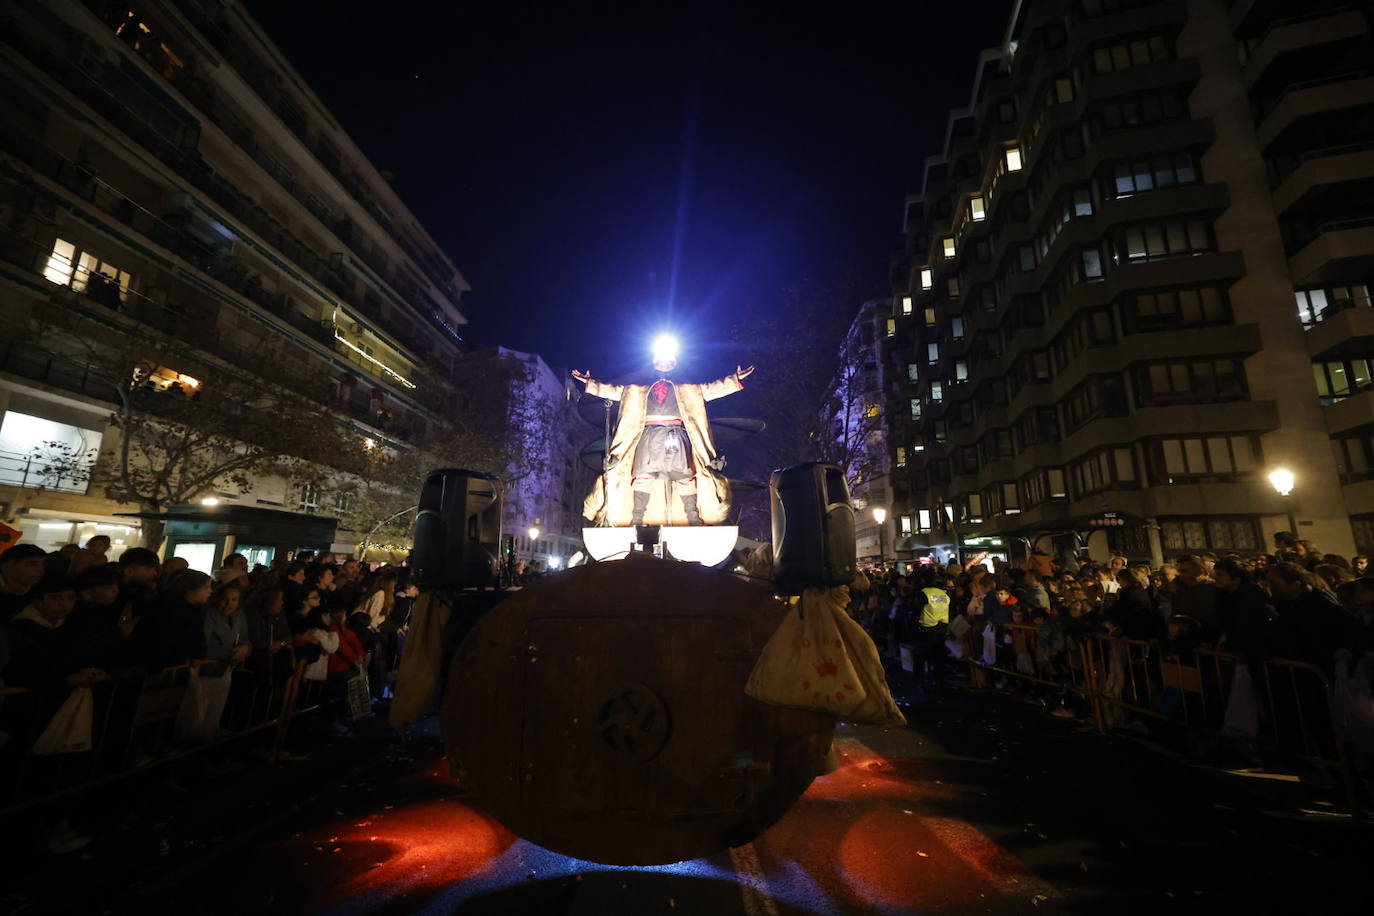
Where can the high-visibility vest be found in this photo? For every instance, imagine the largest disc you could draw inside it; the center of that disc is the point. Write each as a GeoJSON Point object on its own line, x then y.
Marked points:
{"type": "Point", "coordinates": [936, 610]}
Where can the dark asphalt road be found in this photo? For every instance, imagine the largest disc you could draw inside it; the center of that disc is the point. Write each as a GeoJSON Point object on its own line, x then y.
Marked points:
{"type": "Point", "coordinates": [982, 805]}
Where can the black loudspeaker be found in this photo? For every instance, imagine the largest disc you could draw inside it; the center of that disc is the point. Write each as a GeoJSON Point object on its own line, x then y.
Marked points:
{"type": "Point", "coordinates": [813, 528]}
{"type": "Point", "coordinates": [458, 530]}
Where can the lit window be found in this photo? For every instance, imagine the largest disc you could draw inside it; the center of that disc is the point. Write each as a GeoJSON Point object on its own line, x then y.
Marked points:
{"type": "Point", "coordinates": [906, 525]}
{"type": "Point", "coordinates": [930, 317]}
{"type": "Point", "coordinates": [923, 519]}
{"type": "Point", "coordinates": [901, 456]}
{"type": "Point", "coordinates": [927, 278]}
{"type": "Point", "coordinates": [916, 410]}
{"type": "Point", "coordinates": [976, 210]}
{"type": "Point", "coordinates": [912, 373]}
{"type": "Point", "coordinates": [947, 246]}
{"type": "Point", "coordinates": [93, 274]}
{"type": "Point", "coordinates": [870, 410]}
{"type": "Point", "coordinates": [961, 371]}
{"type": "Point", "coordinates": [933, 352]}
{"type": "Point", "coordinates": [906, 305]}
{"type": "Point", "coordinates": [956, 328]}
{"type": "Point", "coordinates": [161, 378]}
{"type": "Point", "coordinates": [61, 263]}
{"type": "Point", "coordinates": [66, 267]}
{"type": "Point", "coordinates": [1013, 159]}
{"type": "Point", "coordinates": [891, 327]}
{"type": "Point", "coordinates": [937, 391]}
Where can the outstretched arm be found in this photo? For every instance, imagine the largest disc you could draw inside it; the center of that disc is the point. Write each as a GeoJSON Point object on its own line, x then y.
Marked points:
{"type": "Point", "coordinates": [728, 385]}
{"type": "Point", "coordinates": [598, 389]}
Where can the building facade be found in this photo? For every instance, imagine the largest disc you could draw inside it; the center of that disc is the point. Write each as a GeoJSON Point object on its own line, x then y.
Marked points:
{"type": "Point", "coordinates": [855, 434]}
{"type": "Point", "coordinates": [546, 480]}
{"type": "Point", "coordinates": [1148, 233]}
{"type": "Point", "coordinates": [162, 167]}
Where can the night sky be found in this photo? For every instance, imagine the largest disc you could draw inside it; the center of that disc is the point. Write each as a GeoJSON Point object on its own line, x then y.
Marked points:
{"type": "Point", "coordinates": [598, 171]}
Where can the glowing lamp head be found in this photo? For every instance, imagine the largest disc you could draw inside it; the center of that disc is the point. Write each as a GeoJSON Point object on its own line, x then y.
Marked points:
{"type": "Point", "coordinates": [664, 351]}
{"type": "Point", "coordinates": [1282, 481]}
{"type": "Point", "coordinates": [210, 501]}
{"type": "Point", "coordinates": [879, 514]}
{"type": "Point", "coordinates": [533, 533]}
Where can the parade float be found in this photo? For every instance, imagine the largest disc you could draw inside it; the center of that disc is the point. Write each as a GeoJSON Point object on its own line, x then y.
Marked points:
{"type": "Point", "coordinates": [660, 702]}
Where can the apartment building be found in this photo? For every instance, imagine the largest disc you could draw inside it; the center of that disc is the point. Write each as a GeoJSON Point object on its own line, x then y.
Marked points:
{"type": "Point", "coordinates": [163, 166]}
{"type": "Point", "coordinates": [854, 430]}
{"type": "Point", "coordinates": [543, 435]}
{"type": "Point", "coordinates": [1148, 233]}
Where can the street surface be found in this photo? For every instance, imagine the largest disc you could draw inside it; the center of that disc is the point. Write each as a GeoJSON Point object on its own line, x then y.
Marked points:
{"type": "Point", "coordinates": [983, 805]}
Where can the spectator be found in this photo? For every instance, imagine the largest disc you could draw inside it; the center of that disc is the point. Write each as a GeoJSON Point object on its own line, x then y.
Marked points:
{"type": "Point", "coordinates": [179, 633]}
{"type": "Point", "coordinates": [1194, 596]}
{"type": "Point", "coordinates": [101, 623]}
{"type": "Point", "coordinates": [379, 599]}
{"type": "Point", "coordinates": [1312, 627]}
{"type": "Point", "coordinates": [348, 584]}
{"type": "Point", "coordinates": [269, 634]}
{"type": "Point", "coordinates": [1132, 615]}
{"type": "Point", "coordinates": [1246, 622]}
{"type": "Point", "coordinates": [226, 628]}
{"type": "Point", "coordinates": [99, 546]}
{"type": "Point", "coordinates": [1309, 556]}
{"type": "Point", "coordinates": [21, 568]}
{"type": "Point", "coordinates": [234, 566]}
{"type": "Point", "coordinates": [1359, 565]}
{"type": "Point", "coordinates": [169, 568]}
{"type": "Point", "coordinates": [45, 652]}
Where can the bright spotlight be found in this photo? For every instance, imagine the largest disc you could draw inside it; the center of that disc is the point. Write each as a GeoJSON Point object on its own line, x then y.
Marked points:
{"type": "Point", "coordinates": [665, 349]}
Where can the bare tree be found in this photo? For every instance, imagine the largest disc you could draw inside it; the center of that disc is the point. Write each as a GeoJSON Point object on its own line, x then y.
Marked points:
{"type": "Point", "coordinates": [811, 375]}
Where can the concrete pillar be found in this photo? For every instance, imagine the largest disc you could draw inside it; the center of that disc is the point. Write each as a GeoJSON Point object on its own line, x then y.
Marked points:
{"type": "Point", "coordinates": [1156, 547]}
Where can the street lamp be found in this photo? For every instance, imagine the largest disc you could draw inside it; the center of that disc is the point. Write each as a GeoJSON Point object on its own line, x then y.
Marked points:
{"type": "Point", "coordinates": [1282, 480]}
{"type": "Point", "coordinates": [880, 516]}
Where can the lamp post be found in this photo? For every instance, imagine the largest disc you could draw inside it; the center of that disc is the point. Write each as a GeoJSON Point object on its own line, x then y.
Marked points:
{"type": "Point", "coordinates": [880, 516]}
{"type": "Point", "coordinates": [1282, 480]}
{"type": "Point", "coordinates": [533, 537]}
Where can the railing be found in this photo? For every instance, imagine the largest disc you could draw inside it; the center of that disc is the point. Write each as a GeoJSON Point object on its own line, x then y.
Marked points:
{"type": "Point", "coordinates": [133, 728]}
{"type": "Point", "coordinates": [1285, 709]}
{"type": "Point", "coordinates": [36, 470]}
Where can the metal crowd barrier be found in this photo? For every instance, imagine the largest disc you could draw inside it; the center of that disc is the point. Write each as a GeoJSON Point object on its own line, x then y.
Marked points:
{"type": "Point", "coordinates": [1282, 709]}
{"type": "Point", "coordinates": [132, 728]}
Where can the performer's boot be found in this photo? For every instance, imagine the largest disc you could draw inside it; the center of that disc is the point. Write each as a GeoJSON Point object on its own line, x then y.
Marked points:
{"type": "Point", "coordinates": [689, 505]}
{"type": "Point", "coordinates": [641, 505]}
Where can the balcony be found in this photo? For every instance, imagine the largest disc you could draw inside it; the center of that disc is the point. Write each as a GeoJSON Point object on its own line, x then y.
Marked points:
{"type": "Point", "coordinates": [1341, 328]}
{"type": "Point", "coordinates": [1322, 168]}
{"type": "Point", "coordinates": [1340, 251]}
{"type": "Point", "coordinates": [1352, 413]}
{"type": "Point", "coordinates": [1304, 31]}
{"type": "Point", "coordinates": [1303, 100]}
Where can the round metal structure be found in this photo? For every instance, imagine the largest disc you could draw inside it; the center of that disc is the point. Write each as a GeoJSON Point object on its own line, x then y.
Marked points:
{"type": "Point", "coordinates": [602, 714]}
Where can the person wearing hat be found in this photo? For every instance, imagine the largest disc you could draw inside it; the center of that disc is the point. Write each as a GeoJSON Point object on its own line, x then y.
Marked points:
{"type": "Point", "coordinates": [21, 568]}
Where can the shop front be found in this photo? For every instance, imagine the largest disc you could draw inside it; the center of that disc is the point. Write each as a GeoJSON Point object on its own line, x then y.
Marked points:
{"type": "Point", "coordinates": [205, 535]}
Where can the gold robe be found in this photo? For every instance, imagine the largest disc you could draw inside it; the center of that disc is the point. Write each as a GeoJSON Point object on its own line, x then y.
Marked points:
{"type": "Point", "coordinates": [612, 499]}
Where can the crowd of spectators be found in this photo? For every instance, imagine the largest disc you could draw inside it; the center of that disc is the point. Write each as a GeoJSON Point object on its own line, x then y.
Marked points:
{"type": "Point", "coordinates": [71, 619]}
{"type": "Point", "coordinates": [1296, 603]}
